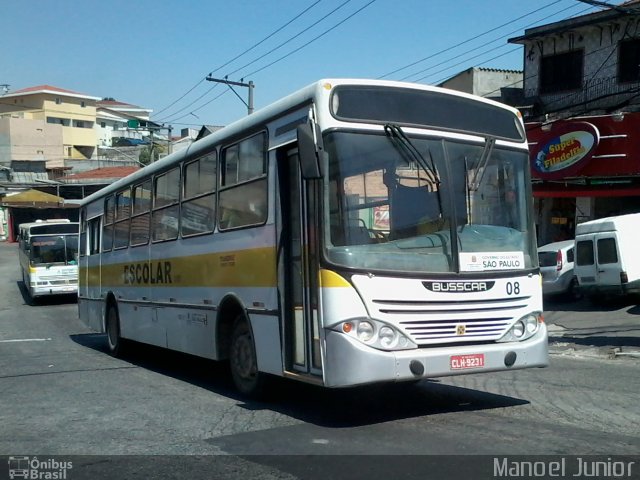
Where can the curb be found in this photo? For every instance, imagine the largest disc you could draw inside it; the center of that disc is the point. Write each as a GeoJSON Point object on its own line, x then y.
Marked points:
{"type": "Point", "coordinates": [565, 347]}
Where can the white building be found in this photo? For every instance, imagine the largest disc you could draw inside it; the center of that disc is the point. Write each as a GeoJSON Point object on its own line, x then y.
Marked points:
{"type": "Point", "coordinates": [115, 120]}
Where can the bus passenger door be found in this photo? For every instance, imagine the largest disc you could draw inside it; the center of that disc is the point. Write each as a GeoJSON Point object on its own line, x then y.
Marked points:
{"type": "Point", "coordinates": [298, 264]}
{"type": "Point", "coordinates": [90, 283]}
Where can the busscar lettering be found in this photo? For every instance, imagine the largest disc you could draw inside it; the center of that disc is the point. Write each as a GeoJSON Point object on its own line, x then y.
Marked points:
{"type": "Point", "coordinates": [151, 273]}
{"type": "Point", "coordinates": [458, 286]}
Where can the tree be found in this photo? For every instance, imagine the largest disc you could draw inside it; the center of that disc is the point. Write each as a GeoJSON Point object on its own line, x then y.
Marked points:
{"type": "Point", "coordinates": [150, 154]}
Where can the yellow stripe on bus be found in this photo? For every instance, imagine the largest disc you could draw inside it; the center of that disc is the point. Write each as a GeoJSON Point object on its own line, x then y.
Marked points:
{"type": "Point", "coordinates": [329, 278]}
{"type": "Point", "coordinates": [243, 268]}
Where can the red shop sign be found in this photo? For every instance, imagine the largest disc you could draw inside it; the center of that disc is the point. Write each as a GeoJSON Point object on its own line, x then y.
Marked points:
{"type": "Point", "coordinates": [565, 150]}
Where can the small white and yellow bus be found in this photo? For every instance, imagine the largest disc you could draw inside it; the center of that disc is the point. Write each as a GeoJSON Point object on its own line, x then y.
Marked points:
{"type": "Point", "coordinates": [356, 231]}
{"type": "Point", "coordinates": [48, 255]}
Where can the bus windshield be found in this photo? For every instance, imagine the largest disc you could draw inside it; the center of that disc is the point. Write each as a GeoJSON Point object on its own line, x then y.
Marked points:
{"type": "Point", "coordinates": [54, 249]}
{"type": "Point", "coordinates": [393, 210]}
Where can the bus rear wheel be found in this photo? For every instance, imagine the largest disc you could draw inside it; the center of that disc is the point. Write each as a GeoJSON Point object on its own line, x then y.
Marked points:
{"type": "Point", "coordinates": [243, 361]}
{"type": "Point", "coordinates": [114, 341]}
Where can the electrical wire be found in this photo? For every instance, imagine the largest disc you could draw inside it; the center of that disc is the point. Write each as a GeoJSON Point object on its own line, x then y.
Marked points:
{"type": "Point", "coordinates": [168, 118]}
{"type": "Point", "coordinates": [289, 40]}
{"type": "Point", "coordinates": [581, 93]}
{"type": "Point", "coordinates": [467, 59]}
{"type": "Point", "coordinates": [486, 44]}
{"type": "Point", "coordinates": [467, 40]}
{"type": "Point", "coordinates": [293, 51]}
{"type": "Point", "coordinates": [237, 57]}
{"type": "Point", "coordinates": [489, 43]}
{"type": "Point", "coordinates": [267, 37]}
{"type": "Point", "coordinates": [312, 40]}
{"type": "Point", "coordinates": [203, 105]}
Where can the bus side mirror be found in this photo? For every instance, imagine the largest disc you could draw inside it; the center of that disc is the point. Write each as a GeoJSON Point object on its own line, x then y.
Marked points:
{"type": "Point", "coordinates": [309, 150]}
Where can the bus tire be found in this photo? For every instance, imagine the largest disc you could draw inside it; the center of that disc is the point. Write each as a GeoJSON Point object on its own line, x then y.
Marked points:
{"type": "Point", "coordinates": [30, 299]}
{"type": "Point", "coordinates": [115, 342]}
{"type": "Point", "coordinates": [243, 360]}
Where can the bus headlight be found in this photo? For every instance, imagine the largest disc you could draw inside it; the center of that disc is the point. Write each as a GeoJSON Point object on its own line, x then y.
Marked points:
{"type": "Point", "coordinates": [522, 329]}
{"type": "Point", "coordinates": [376, 334]}
{"type": "Point", "coordinates": [365, 331]}
{"type": "Point", "coordinates": [518, 329]}
{"type": "Point", "coordinates": [387, 336]}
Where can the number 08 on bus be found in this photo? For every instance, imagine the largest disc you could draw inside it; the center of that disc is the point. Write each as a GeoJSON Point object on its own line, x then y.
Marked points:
{"type": "Point", "coordinates": [354, 232]}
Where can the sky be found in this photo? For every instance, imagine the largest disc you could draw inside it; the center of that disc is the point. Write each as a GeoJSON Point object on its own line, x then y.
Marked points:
{"type": "Point", "coordinates": [157, 54]}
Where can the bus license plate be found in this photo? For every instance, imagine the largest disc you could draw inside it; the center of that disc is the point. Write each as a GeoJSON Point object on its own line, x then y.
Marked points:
{"type": "Point", "coordinates": [459, 362]}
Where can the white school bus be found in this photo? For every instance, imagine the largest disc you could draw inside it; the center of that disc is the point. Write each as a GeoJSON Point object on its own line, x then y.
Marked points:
{"type": "Point", "coordinates": [48, 256]}
{"type": "Point", "coordinates": [356, 231]}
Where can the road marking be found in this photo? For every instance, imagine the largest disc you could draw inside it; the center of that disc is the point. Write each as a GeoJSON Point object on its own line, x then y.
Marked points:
{"type": "Point", "coordinates": [15, 340]}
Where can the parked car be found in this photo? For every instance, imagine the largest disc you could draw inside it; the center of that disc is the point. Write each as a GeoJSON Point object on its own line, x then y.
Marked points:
{"type": "Point", "coordinates": [130, 142]}
{"type": "Point", "coordinates": [556, 265]}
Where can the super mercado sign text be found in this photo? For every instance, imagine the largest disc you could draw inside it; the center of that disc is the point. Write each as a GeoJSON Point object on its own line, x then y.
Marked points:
{"type": "Point", "coordinates": [565, 150]}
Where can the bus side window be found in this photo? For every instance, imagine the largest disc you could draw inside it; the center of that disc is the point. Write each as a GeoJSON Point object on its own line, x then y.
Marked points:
{"type": "Point", "coordinates": [94, 236]}
{"type": "Point", "coordinates": [82, 247]}
{"type": "Point", "coordinates": [140, 215]}
{"type": "Point", "coordinates": [107, 230]}
{"type": "Point", "coordinates": [122, 219]}
{"type": "Point", "coordinates": [199, 198]}
{"type": "Point", "coordinates": [243, 185]}
{"type": "Point", "coordinates": [165, 217]}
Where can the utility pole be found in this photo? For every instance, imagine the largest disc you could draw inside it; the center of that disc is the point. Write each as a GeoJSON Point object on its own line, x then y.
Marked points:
{"type": "Point", "coordinates": [230, 84]}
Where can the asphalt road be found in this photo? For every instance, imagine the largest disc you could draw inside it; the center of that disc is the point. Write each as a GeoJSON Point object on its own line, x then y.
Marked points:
{"type": "Point", "coordinates": [164, 414]}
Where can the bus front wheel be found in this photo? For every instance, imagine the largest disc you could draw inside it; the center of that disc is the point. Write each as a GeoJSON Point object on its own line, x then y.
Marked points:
{"type": "Point", "coordinates": [114, 341]}
{"type": "Point", "coordinates": [243, 361]}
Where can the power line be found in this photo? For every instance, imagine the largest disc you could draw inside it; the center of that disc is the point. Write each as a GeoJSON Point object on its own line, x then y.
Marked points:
{"type": "Point", "coordinates": [487, 43]}
{"type": "Point", "coordinates": [290, 39]}
{"type": "Point", "coordinates": [468, 40]}
{"type": "Point", "coordinates": [487, 51]}
{"type": "Point", "coordinates": [236, 57]}
{"type": "Point", "coordinates": [184, 95]}
{"type": "Point", "coordinates": [312, 40]}
{"type": "Point", "coordinates": [585, 85]}
{"type": "Point", "coordinates": [267, 37]}
{"type": "Point", "coordinates": [291, 52]}
{"type": "Point", "coordinates": [203, 105]}
{"type": "Point", "coordinates": [466, 60]}
{"type": "Point", "coordinates": [620, 8]}
{"type": "Point", "coordinates": [166, 119]}
{"type": "Point", "coordinates": [592, 52]}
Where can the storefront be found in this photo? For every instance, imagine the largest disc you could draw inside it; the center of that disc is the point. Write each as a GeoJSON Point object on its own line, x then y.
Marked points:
{"type": "Point", "coordinates": [31, 205]}
{"type": "Point", "coordinates": [582, 169]}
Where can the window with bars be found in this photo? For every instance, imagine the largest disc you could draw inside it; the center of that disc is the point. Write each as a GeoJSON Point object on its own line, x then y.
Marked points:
{"type": "Point", "coordinates": [561, 72]}
{"type": "Point", "coordinates": [629, 61]}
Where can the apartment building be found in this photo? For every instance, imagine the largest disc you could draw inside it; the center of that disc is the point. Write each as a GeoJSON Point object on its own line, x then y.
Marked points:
{"type": "Point", "coordinates": [47, 123]}
{"type": "Point", "coordinates": [113, 121]}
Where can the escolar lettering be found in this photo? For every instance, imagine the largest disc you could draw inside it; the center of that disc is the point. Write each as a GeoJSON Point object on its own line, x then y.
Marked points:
{"type": "Point", "coordinates": [148, 273]}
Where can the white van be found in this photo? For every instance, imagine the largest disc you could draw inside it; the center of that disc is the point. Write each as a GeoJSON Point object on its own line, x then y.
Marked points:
{"type": "Point", "coordinates": [607, 259]}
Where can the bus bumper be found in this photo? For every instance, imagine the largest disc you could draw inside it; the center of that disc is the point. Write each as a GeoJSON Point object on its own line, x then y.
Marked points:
{"type": "Point", "coordinates": [46, 290]}
{"type": "Point", "coordinates": [349, 362]}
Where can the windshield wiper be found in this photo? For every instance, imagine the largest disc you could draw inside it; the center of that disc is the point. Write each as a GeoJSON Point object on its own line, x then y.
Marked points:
{"type": "Point", "coordinates": [482, 163]}
{"type": "Point", "coordinates": [403, 144]}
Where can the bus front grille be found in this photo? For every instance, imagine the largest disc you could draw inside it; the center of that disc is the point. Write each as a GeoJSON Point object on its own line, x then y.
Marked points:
{"type": "Point", "coordinates": [428, 323]}
{"type": "Point", "coordinates": [462, 330]}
